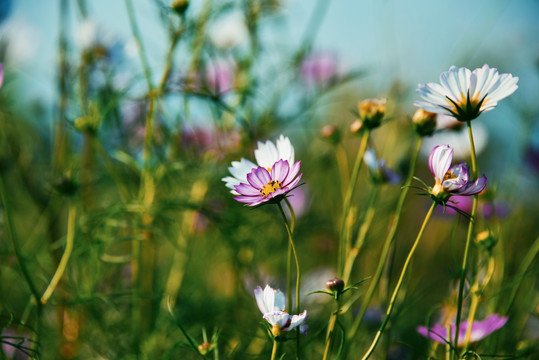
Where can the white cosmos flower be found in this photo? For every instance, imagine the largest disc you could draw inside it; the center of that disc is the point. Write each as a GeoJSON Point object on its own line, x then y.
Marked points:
{"type": "Point", "coordinates": [465, 94]}
{"type": "Point", "coordinates": [271, 303]}
{"type": "Point", "coordinates": [229, 31]}
{"type": "Point", "coordinates": [267, 154]}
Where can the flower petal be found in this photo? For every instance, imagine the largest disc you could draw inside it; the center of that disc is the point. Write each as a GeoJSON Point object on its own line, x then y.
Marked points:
{"type": "Point", "coordinates": [473, 188]}
{"type": "Point", "coordinates": [267, 154]}
{"type": "Point", "coordinates": [440, 160]}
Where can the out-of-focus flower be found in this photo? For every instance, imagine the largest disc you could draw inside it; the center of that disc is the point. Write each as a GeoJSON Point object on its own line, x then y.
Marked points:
{"type": "Point", "coordinates": [371, 112]}
{"type": "Point", "coordinates": [1, 74]}
{"type": "Point", "coordinates": [266, 155]}
{"type": "Point", "coordinates": [229, 31]}
{"type": "Point", "coordinates": [465, 94]}
{"type": "Point", "coordinates": [21, 41]}
{"type": "Point", "coordinates": [379, 171]}
{"type": "Point", "coordinates": [424, 122]}
{"type": "Point", "coordinates": [480, 330]}
{"type": "Point", "coordinates": [331, 133]}
{"type": "Point", "coordinates": [16, 345]}
{"type": "Point", "coordinates": [97, 41]}
{"type": "Point", "coordinates": [452, 132]}
{"type": "Point", "coordinates": [263, 186]}
{"type": "Point", "coordinates": [219, 76]}
{"type": "Point", "coordinates": [271, 303]}
{"type": "Point", "coordinates": [319, 68]}
{"type": "Point", "coordinates": [179, 6]}
{"type": "Point", "coordinates": [451, 180]}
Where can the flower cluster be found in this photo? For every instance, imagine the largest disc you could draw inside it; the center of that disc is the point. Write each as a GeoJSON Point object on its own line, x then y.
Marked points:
{"type": "Point", "coordinates": [271, 180]}
{"type": "Point", "coordinates": [271, 303]}
{"type": "Point", "coordinates": [451, 180]}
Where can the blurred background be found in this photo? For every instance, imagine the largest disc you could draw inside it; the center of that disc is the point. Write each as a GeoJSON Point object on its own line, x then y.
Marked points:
{"type": "Point", "coordinates": [74, 106]}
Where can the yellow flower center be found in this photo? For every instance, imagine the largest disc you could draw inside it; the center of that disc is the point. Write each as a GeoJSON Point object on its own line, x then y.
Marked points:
{"type": "Point", "coordinates": [449, 175]}
{"type": "Point", "coordinates": [270, 187]}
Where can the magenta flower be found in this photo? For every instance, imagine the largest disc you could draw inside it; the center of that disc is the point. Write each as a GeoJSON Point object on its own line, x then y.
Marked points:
{"type": "Point", "coordinates": [1, 74]}
{"type": "Point", "coordinates": [451, 180]}
{"type": "Point", "coordinates": [265, 186]}
{"type": "Point", "coordinates": [271, 303]}
{"type": "Point", "coordinates": [319, 68]}
{"type": "Point", "coordinates": [480, 330]}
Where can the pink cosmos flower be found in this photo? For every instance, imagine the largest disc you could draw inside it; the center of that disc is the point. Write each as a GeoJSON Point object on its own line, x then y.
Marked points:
{"type": "Point", "coordinates": [480, 330]}
{"type": "Point", "coordinates": [451, 180]}
{"type": "Point", "coordinates": [265, 186]}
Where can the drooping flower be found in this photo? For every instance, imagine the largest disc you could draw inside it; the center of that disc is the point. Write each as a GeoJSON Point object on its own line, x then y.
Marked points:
{"type": "Point", "coordinates": [465, 94]}
{"type": "Point", "coordinates": [267, 154]}
{"type": "Point", "coordinates": [380, 173]}
{"type": "Point", "coordinates": [271, 303]}
{"type": "Point", "coordinates": [480, 330]}
{"type": "Point", "coordinates": [451, 180]}
{"type": "Point", "coordinates": [268, 186]}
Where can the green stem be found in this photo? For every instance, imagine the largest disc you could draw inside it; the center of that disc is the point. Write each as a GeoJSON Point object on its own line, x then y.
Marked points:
{"type": "Point", "coordinates": [331, 329]}
{"type": "Point", "coordinates": [289, 259]}
{"type": "Point", "coordinates": [70, 239]}
{"type": "Point", "coordinates": [16, 246]}
{"type": "Point", "coordinates": [399, 283]}
{"type": "Point", "coordinates": [388, 242]}
{"type": "Point", "coordinates": [362, 234]}
{"type": "Point", "coordinates": [469, 236]}
{"type": "Point", "coordinates": [274, 350]}
{"type": "Point", "coordinates": [345, 233]}
{"type": "Point", "coordinates": [293, 247]}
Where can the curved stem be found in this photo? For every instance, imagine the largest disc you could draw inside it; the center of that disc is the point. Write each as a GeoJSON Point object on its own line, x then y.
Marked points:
{"type": "Point", "coordinates": [469, 236]}
{"type": "Point", "coordinates": [70, 237]}
{"type": "Point", "coordinates": [399, 283]}
{"type": "Point", "coordinates": [388, 242]}
{"type": "Point", "coordinates": [344, 234]}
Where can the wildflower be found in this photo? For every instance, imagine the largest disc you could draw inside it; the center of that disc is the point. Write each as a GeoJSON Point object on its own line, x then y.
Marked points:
{"type": "Point", "coordinates": [371, 112]}
{"type": "Point", "coordinates": [465, 94]}
{"type": "Point", "coordinates": [319, 68]}
{"type": "Point", "coordinates": [179, 6]}
{"type": "Point", "coordinates": [1, 74]}
{"type": "Point", "coordinates": [451, 180]}
{"type": "Point", "coordinates": [266, 155]}
{"type": "Point", "coordinates": [480, 330]}
{"type": "Point", "coordinates": [335, 285]}
{"type": "Point", "coordinates": [271, 303]}
{"type": "Point", "coordinates": [268, 186]}
{"type": "Point", "coordinates": [229, 31]}
{"type": "Point", "coordinates": [379, 171]}
{"type": "Point", "coordinates": [424, 122]}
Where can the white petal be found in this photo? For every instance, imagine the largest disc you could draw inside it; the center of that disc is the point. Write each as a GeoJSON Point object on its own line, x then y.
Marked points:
{"type": "Point", "coordinates": [267, 154]}
{"type": "Point", "coordinates": [285, 149]}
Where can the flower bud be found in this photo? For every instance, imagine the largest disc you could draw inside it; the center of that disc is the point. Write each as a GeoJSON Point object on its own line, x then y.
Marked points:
{"type": "Point", "coordinates": [371, 112]}
{"type": "Point", "coordinates": [357, 126]}
{"type": "Point", "coordinates": [424, 122]}
{"type": "Point", "coordinates": [180, 6]}
{"type": "Point", "coordinates": [276, 331]}
{"type": "Point", "coordinates": [335, 285]}
{"type": "Point", "coordinates": [66, 185]}
{"type": "Point", "coordinates": [486, 240]}
{"type": "Point", "coordinates": [204, 348]}
{"type": "Point", "coordinates": [331, 133]}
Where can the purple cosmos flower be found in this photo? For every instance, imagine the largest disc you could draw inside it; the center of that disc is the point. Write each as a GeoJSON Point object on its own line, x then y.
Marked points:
{"type": "Point", "coordinates": [451, 180]}
{"type": "Point", "coordinates": [271, 303]}
{"type": "Point", "coordinates": [1, 74]}
{"type": "Point", "coordinates": [264, 186]}
{"type": "Point", "coordinates": [267, 154]}
{"type": "Point", "coordinates": [480, 330]}
{"type": "Point", "coordinates": [465, 94]}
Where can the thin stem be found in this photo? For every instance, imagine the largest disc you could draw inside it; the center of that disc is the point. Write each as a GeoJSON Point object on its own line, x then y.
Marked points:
{"type": "Point", "coordinates": [15, 242]}
{"type": "Point", "coordinates": [70, 237]}
{"type": "Point", "coordinates": [298, 273]}
{"type": "Point", "coordinates": [344, 234]}
{"type": "Point", "coordinates": [289, 258]}
{"type": "Point", "coordinates": [469, 236]}
{"type": "Point", "coordinates": [274, 350]}
{"type": "Point", "coordinates": [138, 41]}
{"type": "Point", "coordinates": [362, 234]}
{"type": "Point", "coordinates": [331, 328]}
{"type": "Point", "coordinates": [399, 283]}
{"type": "Point", "coordinates": [388, 242]}
{"type": "Point", "coordinates": [471, 316]}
